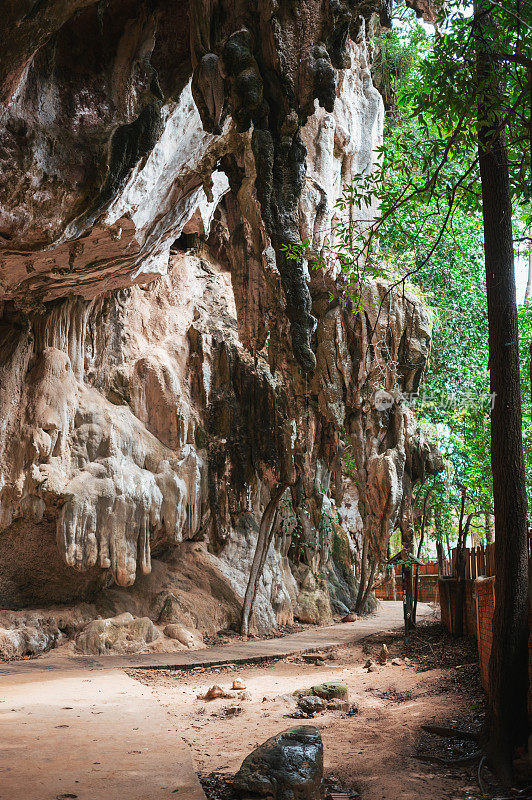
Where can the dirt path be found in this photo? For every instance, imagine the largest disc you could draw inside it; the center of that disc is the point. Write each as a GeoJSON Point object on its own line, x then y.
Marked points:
{"type": "Point", "coordinates": [92, 736]}
{"type": "Point", "coordinates": [93, 732]}
{"type": "Point", "coordinates": [373, 751]}
{"type": "Point", "coordinates": [388, 616]}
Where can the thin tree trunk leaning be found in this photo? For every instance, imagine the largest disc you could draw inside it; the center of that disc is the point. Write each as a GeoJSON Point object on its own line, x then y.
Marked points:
{"type": "Point", "coordinates": [369, 585]}
{"type": "Point", "coordinates": [420, 545]}
{"type": "Point", "coordinates": [363, 574]}
{"type": "Point", "coordinates": [407, 598]}
{"type": "Point", "coordinates": [259, 559]}
{"type": "Point", "coordinates": [489, 529]}
{"type": "Point", "coordinates": [508, 669]}
{"type": "Point", "coordinates": [441, 558]}
{"type": "Point", "coordinates": [461, 569]}
{"type": "Point", "coordinates": [368, 568]}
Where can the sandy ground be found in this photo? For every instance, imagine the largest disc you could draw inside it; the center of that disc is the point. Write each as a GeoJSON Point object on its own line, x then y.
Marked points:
{"type": "Point", "coordinates": [97, 733]}
{"type": "Point", "coordinates": [89, 735]}
{"type": "Point", "coordinates": [372, 751]}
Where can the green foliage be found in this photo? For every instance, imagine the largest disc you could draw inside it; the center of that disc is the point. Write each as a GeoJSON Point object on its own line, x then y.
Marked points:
{"type": "Point", "coordinates": [431, 159]}
{"type": "Point", "coordinates": [396, 54]}
{"type": "Point", "coordinates": [525, 340]}
{"type": "Point", "coordinates": [349, 462]}
{"type": "Point", "coordinates": [428, 228]}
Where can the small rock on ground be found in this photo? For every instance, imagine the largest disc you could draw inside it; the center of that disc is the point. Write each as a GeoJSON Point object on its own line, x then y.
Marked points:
{"type": "Point", "coordinates": [331, 690]}
{"type": "Point", "coordinates": [310, 704]}
{"type": "Point", "coordinates": [214, 693]}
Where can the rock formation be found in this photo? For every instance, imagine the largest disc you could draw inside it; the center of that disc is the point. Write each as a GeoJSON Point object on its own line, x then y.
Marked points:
{"type": "Point", "coordinates": [164, 362]}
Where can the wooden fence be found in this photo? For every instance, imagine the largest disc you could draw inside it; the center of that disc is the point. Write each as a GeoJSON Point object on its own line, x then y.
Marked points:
{"type": "Point", "coordinates": [480, 561]}
{"type": "Point", "coordinates": [389, 588]}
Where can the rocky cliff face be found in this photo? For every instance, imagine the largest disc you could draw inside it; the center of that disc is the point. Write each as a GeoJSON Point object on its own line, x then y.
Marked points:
{"type": "Point", "coordinates": [164, 365]}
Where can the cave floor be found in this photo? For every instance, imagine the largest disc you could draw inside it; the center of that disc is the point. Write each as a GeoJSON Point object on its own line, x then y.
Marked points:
{"type": "Point", "coordinates": [93, 730]}
{"type": "Point", "coordinates": [89, 735]}
{"type": "Point", "coordinates": [376, 753]}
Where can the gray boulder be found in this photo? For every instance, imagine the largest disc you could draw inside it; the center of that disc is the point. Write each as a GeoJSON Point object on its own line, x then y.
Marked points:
{"type": "Point", "coordinates": [288, 766]}
{"type": "Point", "coordinates": [311, 705]}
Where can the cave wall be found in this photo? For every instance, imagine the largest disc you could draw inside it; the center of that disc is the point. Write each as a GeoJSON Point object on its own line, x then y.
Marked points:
{"type": "Point", "coordinates": [163, 363]}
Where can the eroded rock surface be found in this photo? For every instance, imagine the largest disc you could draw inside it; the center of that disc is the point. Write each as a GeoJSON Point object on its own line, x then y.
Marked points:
{"type": "Point", "coordinates": [121, 634]}
{"type": "Point", "coordinates": [163, 364]}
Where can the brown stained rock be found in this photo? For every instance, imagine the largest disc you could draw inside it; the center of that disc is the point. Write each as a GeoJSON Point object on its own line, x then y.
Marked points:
{"type": "Point", "coordinates": [338, 705]}
{"type": "Point", "coordinates": [318, 659]}
{"type": "Point", "coordinates": [190, 639]}
{"type": "Point", "coordinates": [233, 711]}
{"type": "Point", "coordinates": [310, 704]}
{"type": "Point", "coordinates": [427, 9]}
{"type": "Point", "coordinates": [152, 401]}
{"type": "Point", "coordinates": [383, 655]}
{"type": "Point", "coordinates": [214, 693]}
{"type": "Point", "coordinates": [351, 617]}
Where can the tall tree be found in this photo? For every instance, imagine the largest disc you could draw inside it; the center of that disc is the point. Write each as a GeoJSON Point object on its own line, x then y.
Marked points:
{"type": "Point", "coordinates": [508, 663]}
{"type": "Point", "coordinates": [528, 290]}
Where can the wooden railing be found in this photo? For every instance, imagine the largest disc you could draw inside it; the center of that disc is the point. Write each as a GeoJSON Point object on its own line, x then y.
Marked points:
{"type": "Point", "coordinates": [480, 561]}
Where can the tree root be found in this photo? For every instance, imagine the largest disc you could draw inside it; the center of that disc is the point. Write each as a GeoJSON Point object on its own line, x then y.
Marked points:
{"type": "Point", "coordinates": [451, 732]}
{"type": "Point", "coordinates": [452, 762]}
{"type": "Point", "coordinates": [516, 794]}
{"type": "Point", "coordinates": [481, 785]}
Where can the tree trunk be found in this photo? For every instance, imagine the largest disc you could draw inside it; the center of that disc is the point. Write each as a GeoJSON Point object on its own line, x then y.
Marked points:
{"type": "Point", "coordinates": [460, 574]}
{"type": "Point", "coordinates": [362, 580]}
{"type": "Point", "coordinates": [420, 546]}
{"type": "Point", "coordinates": [369, 585]}
{"type": "Point", "coordinates": [416, 596]}
{"type": "Point", "coordinates": [441, 558]}
{"type": "Point", "coordinates": [508, 669]}
{"type": "Point", "coordinates": [489, 529]}
{"type": "Point", "coordinates": [407, 598]}
{"type": "Point", "coordinates": [528, 290]}
{"type": "Point", "coordinates": [259, 559]}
